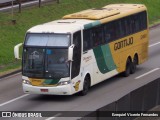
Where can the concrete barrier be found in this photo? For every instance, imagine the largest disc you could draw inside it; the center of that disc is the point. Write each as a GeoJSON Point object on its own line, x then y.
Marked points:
{"type": "Point", "coordinates": [102, 114]}
{"type": "Point", "coordinates": [123, 104]}
{"type": "Point", "coordinates": [140, 100]}
{"type": "Point", "coordinates": [150, 95]}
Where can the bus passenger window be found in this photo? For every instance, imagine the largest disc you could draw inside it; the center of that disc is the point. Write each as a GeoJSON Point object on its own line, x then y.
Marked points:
{"type": "Point", "coordinates": [87, 43]}
{"type": "Point", "coordinates": [109, 32]}
{"type": "Point", "coordinates": [97, 36]}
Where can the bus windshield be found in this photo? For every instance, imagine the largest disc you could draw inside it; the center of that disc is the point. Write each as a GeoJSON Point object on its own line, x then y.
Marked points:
{"type": "Point", "coordinates": [57, 64]}
{"type": "Point", "coordinates": [44, 39]}
{"type": "Point", "coordinates": [46, 60]}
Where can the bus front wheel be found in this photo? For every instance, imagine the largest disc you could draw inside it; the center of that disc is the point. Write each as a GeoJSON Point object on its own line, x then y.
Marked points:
{"type": "Point", "coordinates": [86, 86]}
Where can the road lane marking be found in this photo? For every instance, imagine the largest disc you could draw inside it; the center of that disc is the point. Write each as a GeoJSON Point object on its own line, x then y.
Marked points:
{"type": "Point", "coordinates": [10, 101]}
{"type": "Point", "coordinates": [147, 73]}
{"type": "Point", "coordinates": [50, 118]}
{"type": "Point", "coordinates": [154, 44]}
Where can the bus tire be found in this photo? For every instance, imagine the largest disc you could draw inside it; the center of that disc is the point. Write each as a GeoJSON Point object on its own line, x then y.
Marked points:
{"type": "Point", "coordinates": [134, 65]}
{"type": "Point", "coordinates": [86, 86]}
{"type": "Point", "coordinates": [127, 72]}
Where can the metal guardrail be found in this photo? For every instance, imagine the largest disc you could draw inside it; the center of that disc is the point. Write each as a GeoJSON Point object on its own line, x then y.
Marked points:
{"type": "Point", "coordinates": [5, 4]}
{"type": "Point", "coordinates": [16, 2]}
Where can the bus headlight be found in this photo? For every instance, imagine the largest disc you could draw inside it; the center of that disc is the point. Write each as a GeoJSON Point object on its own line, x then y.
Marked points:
{"type": "Point", "coordinates": [64, 83]}
{"type": "Point", "coordinates": [26, 82]}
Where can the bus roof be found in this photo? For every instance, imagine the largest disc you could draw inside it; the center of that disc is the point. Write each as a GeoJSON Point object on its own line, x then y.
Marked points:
{"type": "Point", "coordinates": [106, 12]}
{"type": "Point", "coordinates": [60, 26]}
{"type": "Point", "coordinates": [88, 18]}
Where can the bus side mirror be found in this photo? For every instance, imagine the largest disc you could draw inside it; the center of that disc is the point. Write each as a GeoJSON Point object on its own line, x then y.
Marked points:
{"type": "Point", "coordinates": [70, 53]}
{"type": "Point", "coordinates": [16, 51]}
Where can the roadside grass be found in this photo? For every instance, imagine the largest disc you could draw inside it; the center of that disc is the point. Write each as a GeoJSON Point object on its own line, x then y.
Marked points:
{"type": "Point", "coordinates": [10, 34]}
{"type": "Point", "coordinates": [10, 68]}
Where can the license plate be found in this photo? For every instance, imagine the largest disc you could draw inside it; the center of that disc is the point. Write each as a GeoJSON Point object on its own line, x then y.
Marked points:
{"type": "Point", "coordinates": [44, 90]}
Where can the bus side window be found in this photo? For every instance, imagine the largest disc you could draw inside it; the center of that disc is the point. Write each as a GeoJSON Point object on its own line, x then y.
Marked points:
{"type": "Point", "coordinates": [87, 43]}
{"type": "Point", "coordinates": [107, 32]}
{"type": "Point", "coordinates": [76, 54]}
{"type": "Point", "coordinates": [111, 31]}
{"type": "Point", "coordinates": [122, 28]}
{"type": "Point", "coordinates": [128, 25]}
{"type": "Point", "coordinates": [143, 20]}
{"type": "Point", "coordinates": [97, 36]}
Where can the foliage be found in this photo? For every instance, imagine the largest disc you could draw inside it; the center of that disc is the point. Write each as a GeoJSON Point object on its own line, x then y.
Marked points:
{"type": "Point", "coordinates": [10, 34]}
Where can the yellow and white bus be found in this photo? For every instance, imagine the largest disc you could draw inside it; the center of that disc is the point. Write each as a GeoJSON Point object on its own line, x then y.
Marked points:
{"type": "Point", "coordinates": [70, 55]}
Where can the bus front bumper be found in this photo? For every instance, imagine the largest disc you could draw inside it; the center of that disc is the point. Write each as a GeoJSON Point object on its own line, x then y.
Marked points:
{"type": "Point", "coordinates": [55, 90]}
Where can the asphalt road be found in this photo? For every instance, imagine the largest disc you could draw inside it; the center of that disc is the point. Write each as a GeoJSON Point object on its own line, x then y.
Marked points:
{"type": "Point", "coordinates": [13, 99]}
